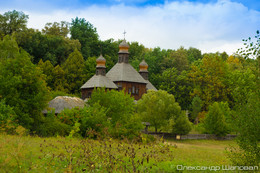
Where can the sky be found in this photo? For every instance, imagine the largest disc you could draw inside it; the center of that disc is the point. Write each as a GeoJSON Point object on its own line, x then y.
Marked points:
{"type": "Point", "coordinates": [209, 25]}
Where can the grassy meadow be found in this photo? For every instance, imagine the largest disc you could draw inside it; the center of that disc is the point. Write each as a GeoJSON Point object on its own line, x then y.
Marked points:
{"type": "Point", "coordinates": [59, 154]}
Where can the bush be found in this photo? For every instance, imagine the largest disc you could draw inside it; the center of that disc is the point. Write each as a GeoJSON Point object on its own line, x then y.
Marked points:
{"type": "Point", "coordinates": [51, 126]}
{"type": "Point", "coordinates": [7, 118]}
{"type": "Point", "coordinates": [215, 120]}
{"type": "Point", "coordinates": [182, 125]}
{"type": "Point", "coordinates": [119, 109]}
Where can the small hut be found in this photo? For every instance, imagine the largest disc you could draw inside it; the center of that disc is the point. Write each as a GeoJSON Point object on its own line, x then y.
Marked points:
{"type": "Point", "coordinates": [60, 103]}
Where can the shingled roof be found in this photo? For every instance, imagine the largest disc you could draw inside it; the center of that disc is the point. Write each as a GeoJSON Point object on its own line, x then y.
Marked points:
{"type": "Point", "coordinates": [150, 86]}
{"type": "Point", "coordinates": [124, 72]}
{"type": "Point", "coordinates": [99, 81]}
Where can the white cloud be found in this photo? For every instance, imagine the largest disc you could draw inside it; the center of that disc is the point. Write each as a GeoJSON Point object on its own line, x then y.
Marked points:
{"type": "Point", "coordinates": [210, 27]}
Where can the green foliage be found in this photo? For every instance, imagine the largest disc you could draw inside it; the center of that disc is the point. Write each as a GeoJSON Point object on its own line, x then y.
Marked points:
{"type": "Point", "coordinates": [208, 78]}
{"type": "Point", "coordinates": [241, 85]}
{"type": "Point", "coordinates": [215, 121]}
{"type": "Point", "coordinates": [52, 126]}
{"type": "Point", "coordinates": [87, 35]}
{"type": "Point", "coordinates": [54, 48]}
{"type": "Point", "coordinates": [158, 107]}
{"type": "Point", "coordinates": [7, 118]}
{"type": "Point", "coordinates": [58, 29]}
{"type": "Point", "coordinates": [194, 54]}
{"type": "Point", "coordinates": [55, 76]}
{"type": "Point", "coordinates": [182, 125]}
{"type": "Point", "coordinates": [177, 84]}
{"type": "Point", "coordinates": [92, 118]}
{"type": "Point", "coordinates": [247, 122]}
{"type": "Point", "coordinates": [74, 71]}
{"type": "Point", "coordinates": [22, 84]}
{"type": "Point", "coordinates": [12, 21]}
{"type": "Point", "coordinates": [196, 106]}
{"type": "Point", "coordinates": [120, 109]}
{"type": "Point", "coordinates": [120, 106]}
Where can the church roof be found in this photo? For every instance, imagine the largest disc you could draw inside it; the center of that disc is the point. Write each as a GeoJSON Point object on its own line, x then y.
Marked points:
{"type": "Point", "coordinates": [99, 81]}
{"type": "Point", "coordinates": [150, 86]}
{"type": "Point", "coordinates": [124, 72]}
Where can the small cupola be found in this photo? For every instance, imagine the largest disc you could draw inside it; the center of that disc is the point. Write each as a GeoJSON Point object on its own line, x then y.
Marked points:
{"type": "Point", "coordinates": [123, 47]}
{"type": "Point", "coordinates": [143, 69]}
{"type": "Point", "coordinates": [101, 66]}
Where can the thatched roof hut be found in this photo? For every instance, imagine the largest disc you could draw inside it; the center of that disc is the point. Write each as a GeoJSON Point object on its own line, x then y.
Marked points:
{"type": "Point", "coordinates": [59, 103]}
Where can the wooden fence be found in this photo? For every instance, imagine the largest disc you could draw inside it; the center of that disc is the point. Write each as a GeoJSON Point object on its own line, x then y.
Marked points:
{"type": "Point", "coordinates": [192, 136]}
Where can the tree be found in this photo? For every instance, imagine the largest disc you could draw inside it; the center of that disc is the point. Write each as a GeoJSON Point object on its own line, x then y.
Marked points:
{"type": "Point", "coordinates": [58, 29]}
{"type": "Point", "coordinates": [74, 71]}
{"type": "Point", "coordinates": [180, 59]}
{"type": "Point", "coordinates": [196, 106]}
{"type": "Point", "coordinates": [157, 108]}
{"type": "Point", "coordinates": [22, 84]}
{"type": "Point", "coordinates": [119, 108]}
{"type": "Point", "coordinates": [54, 48]}
{"type": "Point", "coordinates": [215, 121]}
{"type": "Point", "coordinates": [55, 76]}
{"type": "Point", "coordinates": [182, 125]}
{"type": "Point", "coordinates": [177, 84]}
{"type": "Point", "coordinates": [247, 123]}
{"type": "Point", "coordinates": [194, 54]}
{"type": "Point", "coordinates": [12, 21]}
{"type": "Point", "coordinates": [87, 35]}
{"type": "Point", "coordinates": [208, 77]}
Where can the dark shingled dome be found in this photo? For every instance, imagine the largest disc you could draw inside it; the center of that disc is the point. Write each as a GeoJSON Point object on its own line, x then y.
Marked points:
{"type": "Point", "coordinates": [100, 59]}
{"type": "Point", "coordinates": [123, 44]}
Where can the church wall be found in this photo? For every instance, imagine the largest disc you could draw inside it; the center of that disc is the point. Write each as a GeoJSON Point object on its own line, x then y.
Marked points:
{"type": "Point", "coordinates": [135, 89]}
{"type": "Point", "coordinates": [86, 93]}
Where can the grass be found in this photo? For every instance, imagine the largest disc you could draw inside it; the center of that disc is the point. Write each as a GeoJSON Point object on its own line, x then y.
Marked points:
{"type": "Point", "coordinates": [35, 154]}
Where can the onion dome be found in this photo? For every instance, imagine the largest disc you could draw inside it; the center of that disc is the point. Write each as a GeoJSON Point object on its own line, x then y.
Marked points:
{"type": "Point", "coordinates": [123, 47]}
{"type": "Point", "coordinates": [143, 66]}
{"type": "Point", "coordinates": [101, 61]}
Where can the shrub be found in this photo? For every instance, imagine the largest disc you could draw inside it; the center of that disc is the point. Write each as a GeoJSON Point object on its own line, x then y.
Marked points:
{"type": "Point", "coordinates": [51, 126]}
{"type": "Point", "coordinates": [7, 118]}
{"type": "Point", "coordinates": [215, 120]}
{"type": "Point", "coordinates": [182, 125]}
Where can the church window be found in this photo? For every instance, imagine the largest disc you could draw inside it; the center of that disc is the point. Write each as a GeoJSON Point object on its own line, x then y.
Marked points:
{"type": "Point", "coordinates": [137, 91]}
{"type": "Point", "coordinates": [133, 89]}
{"type": "Point", "coordinates": [129, 90]}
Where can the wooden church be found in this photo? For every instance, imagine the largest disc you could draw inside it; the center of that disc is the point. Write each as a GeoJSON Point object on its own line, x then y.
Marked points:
{"type": "Point", "coordinates": [121, 76]}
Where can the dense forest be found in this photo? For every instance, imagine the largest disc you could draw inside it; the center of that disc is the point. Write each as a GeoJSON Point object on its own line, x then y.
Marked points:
{"type": "Point", "coordinates": [220, 91]}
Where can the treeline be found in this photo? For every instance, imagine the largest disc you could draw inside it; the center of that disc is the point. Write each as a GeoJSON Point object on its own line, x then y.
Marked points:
{"type": "Point", "coordinates": [216, 89]}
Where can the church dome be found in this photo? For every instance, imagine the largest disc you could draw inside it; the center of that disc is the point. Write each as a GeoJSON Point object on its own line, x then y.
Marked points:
{"type": "Point", "coordinates": [101, 61]}
{"type": "Point", "coordinates": [123, 47]}
{"type": "Point", "coordinates": [143, 66]}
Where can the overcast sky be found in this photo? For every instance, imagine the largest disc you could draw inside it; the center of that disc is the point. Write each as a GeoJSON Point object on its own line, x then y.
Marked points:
{"type": "Point", "coordinates": [209, 25]}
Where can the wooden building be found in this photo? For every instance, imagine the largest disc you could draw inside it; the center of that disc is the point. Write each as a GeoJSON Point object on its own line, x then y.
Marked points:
{"type": "Point", "coordinates": [122, 76]}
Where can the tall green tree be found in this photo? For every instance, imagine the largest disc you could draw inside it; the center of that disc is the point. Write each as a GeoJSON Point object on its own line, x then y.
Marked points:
{"type": "Point", "coordinates": [54, 48]}
{"type": "Point", "coordinates": [208, 77]}
{"type": "Point", "coordinates": [120, 111]}
{"type": "Point", "coordinates": [215, 121]}
{"type": "Point", "coordinates": [12, 21]}
{"type": "Point", "coordinates": [22, 84]}
{"type": "Point", "coordinates": [58, 29]}
{"type": "Point", "coordinates": [194, 54]}
{"type": "Point", "coordinates": [196, 106]}
{"type": "Point", "coordinates": [74, 71]}
{"type": "Point", "coordinates": [177, 84]}
{"type": "Point", "coordinates": [158, 108]}
{"type": "Point", "coordinates": [87, 35]}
